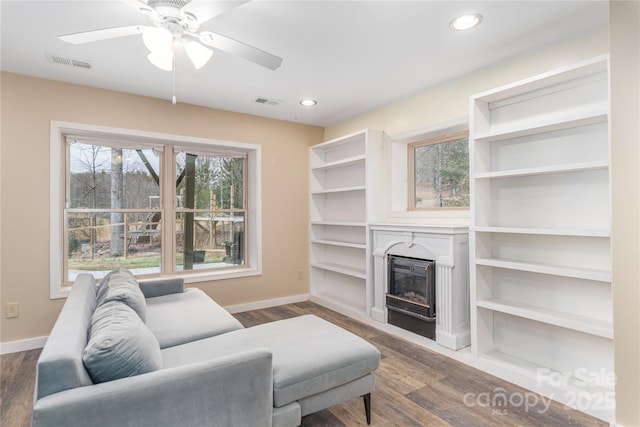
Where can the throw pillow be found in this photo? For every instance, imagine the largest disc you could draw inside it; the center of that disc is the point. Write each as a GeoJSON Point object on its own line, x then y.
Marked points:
{"type": "Point", "coordinates": [120, 344]}
{"type": "Point", "coordinates": [123, 287]}
{"type": "Point", "coordinates": [106, 278]}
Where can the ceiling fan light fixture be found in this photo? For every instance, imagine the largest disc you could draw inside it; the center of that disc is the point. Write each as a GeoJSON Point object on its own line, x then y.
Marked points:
{"type": "Point", "coordinates": [465, 22]}
{"type": "Point", "coordinates": [162, 59]}
{"type": "Point", "coordinates": [198, 54]}
{"type": "Point", "coordinates": [157, 39]}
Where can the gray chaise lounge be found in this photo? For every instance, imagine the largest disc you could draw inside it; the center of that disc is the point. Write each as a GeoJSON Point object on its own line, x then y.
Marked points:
{"type": "Point", "coordinates": [208, 370]}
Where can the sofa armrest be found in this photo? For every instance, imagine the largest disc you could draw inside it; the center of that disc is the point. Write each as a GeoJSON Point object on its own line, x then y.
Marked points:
{"type": "Point", "coordinates": [231, 390]}
{"type": "Point", "coordinates": [158, 287]}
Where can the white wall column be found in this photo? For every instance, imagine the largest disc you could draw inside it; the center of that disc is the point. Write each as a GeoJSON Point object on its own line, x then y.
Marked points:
{"type": "Point", "coordinates": [448, 330]}
{"type": "Point", "coordinates": [379, 284]}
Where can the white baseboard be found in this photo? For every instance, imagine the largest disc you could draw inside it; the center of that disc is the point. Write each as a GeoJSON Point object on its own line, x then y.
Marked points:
{"type": "Point", "coordinates": [22, 345]}
{"type": "Point", "coordinates": [453, 341]}
{"type": "Point", "coordinates": [257, 305]}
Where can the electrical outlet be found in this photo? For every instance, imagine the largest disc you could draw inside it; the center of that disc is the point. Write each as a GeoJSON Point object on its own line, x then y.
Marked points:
{"type": "Point", "coordinates": [12, 310]}
{"type": "Point", "coordinates": [299, 274]}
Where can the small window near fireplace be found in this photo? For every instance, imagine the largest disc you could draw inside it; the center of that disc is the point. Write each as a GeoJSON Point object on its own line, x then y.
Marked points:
{"type": "Point", "coordinates": [411, 300]}
{"type": "Point", "coordinates": [438, 173]}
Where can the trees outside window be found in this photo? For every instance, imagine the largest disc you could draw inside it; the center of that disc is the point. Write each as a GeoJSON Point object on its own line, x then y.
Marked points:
{"type": "Point", "coordinates": [439, 173]}
{"type": "Point", "coordinates": [210, 213]}
{"type": "Point", "coordinates": [114, 209]}
{"type": "Point", "coordinates": [111, 218]}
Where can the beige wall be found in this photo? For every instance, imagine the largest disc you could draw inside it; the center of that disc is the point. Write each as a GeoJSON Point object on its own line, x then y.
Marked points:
{"type": "Point", "coordinates": [29, 105]}
{"type": "Point", "coordinates": [624, 19]}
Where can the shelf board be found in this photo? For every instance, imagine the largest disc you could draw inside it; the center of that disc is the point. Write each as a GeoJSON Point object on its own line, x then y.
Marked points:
{"type": "Point", "coordinates": [547, 125]}
{"type": "Point", "coordinates": [545, 170]}
{"type": "Point", "coordinates": [545, 231]}
{"type": "Point", "coordinates": [575, 322]}
{"type": "Point", "coordinates": [347, 271]}
{"type": "Point", "coordinates": [340, 223]}
{"type": "Point", "coordinates": [590, 389]}
{"type": "Point", "coordinates": [555, 270]}
{"type": "Point", "coordinates": [340, 163]}
{"type": "Point", "coordinates": [338, 243]}
{"type": "Point", "coordinates": [353, 138]}
{"type": "Point", "coordinates": [533, 370]}
{"type": "Point", "coordinates": [545, 80]}
{"type": "Point", "coordinates": [340, 190]}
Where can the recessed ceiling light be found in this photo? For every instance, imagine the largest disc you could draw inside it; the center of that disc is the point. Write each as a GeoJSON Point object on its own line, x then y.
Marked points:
{"type": "Point", "coordinates": [465, 22]}
{"type": "Point", "coordinates": [308, 102]}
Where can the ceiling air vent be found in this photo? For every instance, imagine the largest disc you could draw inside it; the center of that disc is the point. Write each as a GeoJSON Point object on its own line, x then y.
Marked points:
{"type": "Point", "coordinates": [72, 62]}
{"type": "Point", "coordinates": [267, 101]}
{"type": "Point", "coordinates": [179, 4]}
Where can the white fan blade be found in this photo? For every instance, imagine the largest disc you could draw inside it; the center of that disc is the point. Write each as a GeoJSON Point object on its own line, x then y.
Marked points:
{"type": "Point", "coordinates": [104, 34]}
{"type": "Point", "coordinates": [243, 50]}
{"type": "Point", "coordinates": [204, 10]}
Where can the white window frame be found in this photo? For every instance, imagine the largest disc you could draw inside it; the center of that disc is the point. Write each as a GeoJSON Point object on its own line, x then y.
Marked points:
{"type": "Point", "coordinates": [411, 169]}
{"type": "Point", "coordinates": [397, 167]}
{"type": "Point", "coordinates": [58, 130]}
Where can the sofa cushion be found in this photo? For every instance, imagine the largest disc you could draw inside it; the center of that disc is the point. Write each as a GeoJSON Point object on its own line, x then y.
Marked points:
{"type": "Point", "coordinates": [188, 316]}
{"type": "Point", "coordinates": [336, 395]}
{"type": "Point", "coordinates": [152, 288]}
{"type": "Point", "coordinates": [120, 345]}
{"type": "Point", "coordinates": [310, 355]}
{"type": "Point", "coordinates": [122, 286]}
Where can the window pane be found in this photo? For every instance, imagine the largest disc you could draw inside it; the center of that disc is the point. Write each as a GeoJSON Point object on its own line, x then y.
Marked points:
{"type": "Point", "coordinates": [213, 238]}
{"type": "Point", "coordinates": [217, 240]}
{"type": "Point", "coordinates": [209, 182]}
{"type": "Point", "coordinates": [113, 178]}
{"type": "Point", "coordinates": [100, 242]}
{"type": "Point", "coordinates": [108, 179]}
{"type": "Point", "coordinates": [442, 174]}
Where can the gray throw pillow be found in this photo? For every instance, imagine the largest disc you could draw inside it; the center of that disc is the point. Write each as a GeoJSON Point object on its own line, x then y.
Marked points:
{"type": "Point", "coordinates": [123, 287]}
{"type": "Point", "coordinates": [120, 344]}
{"type": "Point", "coordinates": [105, 280]}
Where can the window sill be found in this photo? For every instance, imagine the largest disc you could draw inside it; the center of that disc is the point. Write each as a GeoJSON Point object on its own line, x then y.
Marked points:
{"type": "Point", "coordinates": [207, 276]}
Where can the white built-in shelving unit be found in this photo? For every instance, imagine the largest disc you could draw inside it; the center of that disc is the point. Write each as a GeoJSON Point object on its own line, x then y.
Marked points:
{"type": "Point", "coordinates": [540, 226]}
{"type": "Point", "coordinates": [345, 184]}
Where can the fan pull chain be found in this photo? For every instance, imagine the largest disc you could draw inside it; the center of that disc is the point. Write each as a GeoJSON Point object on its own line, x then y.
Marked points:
{"type": "Point", "coordinates": [173, 98]}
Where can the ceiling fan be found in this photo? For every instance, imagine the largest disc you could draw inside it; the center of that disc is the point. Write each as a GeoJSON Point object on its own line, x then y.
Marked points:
{"type": "Point", "coordinates": [175, 25]}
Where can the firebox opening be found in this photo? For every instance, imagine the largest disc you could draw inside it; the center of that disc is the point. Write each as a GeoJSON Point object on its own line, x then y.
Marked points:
{"type": "Point", "coordinates": [411, 300]}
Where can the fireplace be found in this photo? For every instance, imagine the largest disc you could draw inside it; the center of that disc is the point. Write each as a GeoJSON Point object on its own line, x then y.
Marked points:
{"type": "Point", "coordinates": [411, 299]}
{"type": "Point", "coordinates": [448, 247]}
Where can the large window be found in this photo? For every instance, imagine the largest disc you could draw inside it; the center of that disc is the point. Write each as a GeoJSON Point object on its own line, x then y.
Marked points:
{"type": "Point", "coordinates": [157, 207]}
{"type": "Point", "coordinates": [439, 173]}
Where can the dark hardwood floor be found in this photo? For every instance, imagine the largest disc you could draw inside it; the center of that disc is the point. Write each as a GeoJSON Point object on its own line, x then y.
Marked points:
{"type": "Point", "coordinates": [414, 386]}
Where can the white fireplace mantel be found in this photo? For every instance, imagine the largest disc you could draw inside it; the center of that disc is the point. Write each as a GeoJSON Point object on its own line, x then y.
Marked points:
{"type": "Point", "coordinates": [448, 246]}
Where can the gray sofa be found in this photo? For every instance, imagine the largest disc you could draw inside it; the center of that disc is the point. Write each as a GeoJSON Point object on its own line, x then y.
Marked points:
{"type": "Point", "coordinates": [199, 365]}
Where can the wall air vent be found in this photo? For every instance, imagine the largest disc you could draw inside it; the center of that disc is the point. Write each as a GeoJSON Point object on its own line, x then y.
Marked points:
{"type": "Point", "coordinates": [267, 101]}
{"type": "Point", "coordinates": [72, 62]}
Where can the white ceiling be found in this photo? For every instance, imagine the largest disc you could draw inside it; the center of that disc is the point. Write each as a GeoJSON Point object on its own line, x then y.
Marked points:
{"type": "Point", "coordinates": [352, 56]}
